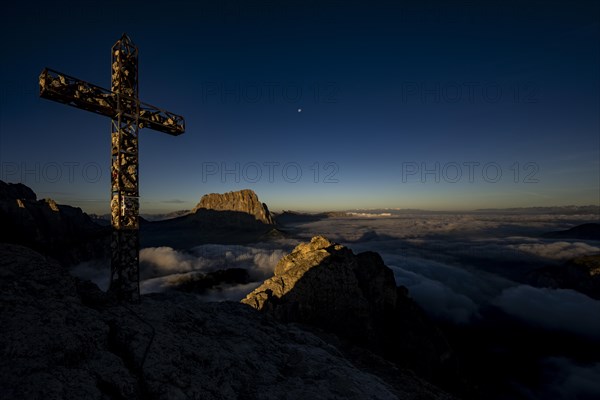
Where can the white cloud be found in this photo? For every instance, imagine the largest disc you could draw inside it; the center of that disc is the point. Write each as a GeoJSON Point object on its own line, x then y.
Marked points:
{"type": "Point", "coordinates": [160, 267]}
{"type": "Point", "coordinates": [407, 226]}
{"type": "Point", "coordinates": [556, 250]}
{"type": "Point", "coordinates": [554, 309]}
{"type": "Point", "coordinates": [438, 300]}
{"type": "Point", "coordinates": [164, 260]}
{"type": "Point", "coordinates": [164, 267]}
{"type": "Point", "coordinates": [159, 261]}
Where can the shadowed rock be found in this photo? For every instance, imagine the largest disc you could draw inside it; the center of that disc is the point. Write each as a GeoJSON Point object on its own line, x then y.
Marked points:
{"type": "Point", "coordinates": [63, 232]}
{"type": "Point", "coordinates": [204, 226]}
{"type": "Point", "coordinates": [234, 217]}
{"type": "Point", "coordinates": [202, 282]}
{"type": "Point", "coordinates": [589, 231]}
{"type": "Point", "coordinates": [581, 274]}
{"type": "Point", "coordinates": [320, 283]}
{"type": "Point", "coordinates": [324, 284]}
{"type": "Point", "coordinates": [11, 191]}
{"type": "Point", "coordinates": [64, 339]}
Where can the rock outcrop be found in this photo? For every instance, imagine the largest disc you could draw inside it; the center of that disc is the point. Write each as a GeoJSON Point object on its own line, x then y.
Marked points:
{"type": "Point", "coordinates": [324, 284]}
{"type": "Point", "coordinates": [581, 274]}
{"type": "Point", "coordinates": [65, 339]}
{"type": "Point", "coordinates": [243, 201]}
{"type": "Point", "coordinates": [63, 232]}
{"type": "Point", "coordinates": [11, 191]}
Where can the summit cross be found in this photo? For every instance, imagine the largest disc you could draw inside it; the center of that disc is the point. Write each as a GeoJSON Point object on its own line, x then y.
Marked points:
{"type": "Point", "coordinates": [128, 115]}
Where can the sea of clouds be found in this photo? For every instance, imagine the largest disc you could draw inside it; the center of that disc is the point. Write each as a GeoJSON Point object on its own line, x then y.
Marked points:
{"type": "Point", "coordinates": [164, 268]}
{"type": "Point", "coordinates": [458, 266]}
{"type": "Point", "coordinates": [453, 265]}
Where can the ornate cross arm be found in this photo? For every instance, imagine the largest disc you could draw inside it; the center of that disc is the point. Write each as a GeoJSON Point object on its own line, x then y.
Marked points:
{"type": "Point", "coordinates": [160, 120]}
{"type": "Point", "coordinates": [78, 93]}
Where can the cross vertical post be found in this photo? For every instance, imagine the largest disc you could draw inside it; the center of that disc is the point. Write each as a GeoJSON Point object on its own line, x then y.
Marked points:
{"type": "Point", "coordinates": [124, 206]}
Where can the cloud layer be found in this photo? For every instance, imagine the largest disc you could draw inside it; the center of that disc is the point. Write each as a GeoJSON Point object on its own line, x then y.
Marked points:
{"type": "Point", "coordinates": [553, 309]}
{"type": "Point", "coordinates": [162, 268]}
{"type": "Point", "coordinates": [557, 250]}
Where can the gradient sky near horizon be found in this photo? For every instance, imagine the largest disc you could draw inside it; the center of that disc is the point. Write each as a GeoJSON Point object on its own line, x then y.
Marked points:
{"type": "Point", "coordinates": [317, 105]}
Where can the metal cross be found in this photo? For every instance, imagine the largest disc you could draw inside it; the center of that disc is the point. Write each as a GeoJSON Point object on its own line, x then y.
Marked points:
{"type": "Point", "coordinates": [128, 115]}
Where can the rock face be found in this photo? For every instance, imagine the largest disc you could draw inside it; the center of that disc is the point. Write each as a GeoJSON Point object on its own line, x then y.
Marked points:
{"type": "Point", "coordinates": [63, 232]}
{"type": "Point", "coordinates": [581, 274]}
{"type": "Point", "coordinates": [325, 285]}
{"type": "Point", "coordinates": [64, 339]}
{"type": "Point", "coordinates": [322, 283]}
{"type": "Point", "coordinates": [243, 201]}
{"type": "Point", "coordinates": [589, 231]}
{"type": "Point", "coordinates": [10, 191]}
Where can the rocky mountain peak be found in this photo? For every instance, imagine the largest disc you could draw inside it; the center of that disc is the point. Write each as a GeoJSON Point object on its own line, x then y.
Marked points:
{"type": "Point", "coordinates": [324, 284]}
{"type": "Point", "coordinates": [60, 231]}
{"type": "Point", "coordinates": [307, 255]}
{"type": "Point", "coordinates": [244, 201]}
{"type": "Point", "coordinates": [16, 191]}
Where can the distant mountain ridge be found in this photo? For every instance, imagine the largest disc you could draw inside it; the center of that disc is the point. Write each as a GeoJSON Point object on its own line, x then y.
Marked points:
{"type": "Point", "coordinates": [569, 210]}
{"type": "Point", "coordinates": [63, 232]}
{"type": "Point", "coordinates": [589, 231]}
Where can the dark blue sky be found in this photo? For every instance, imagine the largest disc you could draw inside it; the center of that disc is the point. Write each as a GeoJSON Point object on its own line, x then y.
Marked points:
{"type": "Point", "coordinates": [440, 105]}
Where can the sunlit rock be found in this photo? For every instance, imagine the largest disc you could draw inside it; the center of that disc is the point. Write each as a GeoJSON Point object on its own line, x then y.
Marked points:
{"type": "Point", "coordinates": [244, 201]}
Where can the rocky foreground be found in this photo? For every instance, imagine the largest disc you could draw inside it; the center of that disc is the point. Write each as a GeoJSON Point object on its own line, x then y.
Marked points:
{"type": "Point", "coordinates": [64, 339]}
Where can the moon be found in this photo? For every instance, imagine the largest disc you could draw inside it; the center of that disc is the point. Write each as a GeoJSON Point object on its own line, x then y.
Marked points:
{"type": "Point", "coordinates": [299, 110]}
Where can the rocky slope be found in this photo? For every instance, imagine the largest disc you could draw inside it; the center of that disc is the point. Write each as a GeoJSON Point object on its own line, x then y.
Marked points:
{"type": "Point", "coordinates": [63, 232]}
{"type": "Point", "coordinates": [581, 274]}
{"type": "Point", "coordinates": [244, 201]}
{"type": "Point", "coordinates": [324, 284]}
{"type": "Point", "coordinates": [64, 339]}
